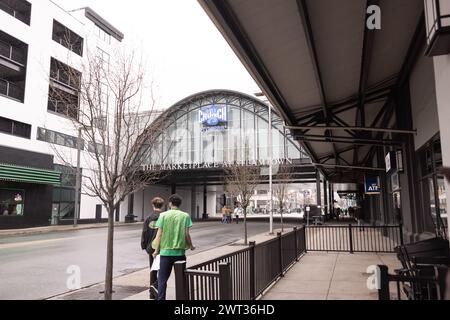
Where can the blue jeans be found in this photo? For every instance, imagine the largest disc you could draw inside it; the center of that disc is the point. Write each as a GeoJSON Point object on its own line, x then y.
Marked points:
{"type": "Point", "coordinates": [165, 269]}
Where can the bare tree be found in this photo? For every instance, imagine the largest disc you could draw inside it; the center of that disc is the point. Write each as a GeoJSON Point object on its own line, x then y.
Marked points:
{"type": "Point", "coordinates": [281, 189]}
{"type": "Point", "coordinates": [121, 135]}
{"type": "Point", "coordinates": [242, 180]}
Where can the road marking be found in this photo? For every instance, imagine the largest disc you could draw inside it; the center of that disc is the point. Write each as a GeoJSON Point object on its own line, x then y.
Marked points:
{"type": "Point", "coordinates": [31, 243]}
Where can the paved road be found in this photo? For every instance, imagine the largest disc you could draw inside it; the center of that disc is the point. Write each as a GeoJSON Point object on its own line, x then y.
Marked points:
{"type": "Point", "coordinates": [35, 266]}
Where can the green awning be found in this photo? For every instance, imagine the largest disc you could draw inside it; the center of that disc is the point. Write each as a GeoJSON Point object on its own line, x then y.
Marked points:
{"type": "Point", "coordinates": [29, 175]}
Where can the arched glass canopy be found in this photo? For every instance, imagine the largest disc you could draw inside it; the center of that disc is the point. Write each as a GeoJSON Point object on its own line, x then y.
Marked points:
{"type": "Point", "coordinates": [222, 127]}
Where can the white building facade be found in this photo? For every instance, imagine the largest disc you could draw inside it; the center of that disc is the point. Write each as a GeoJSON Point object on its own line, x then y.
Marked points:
{"type": "Point", "coordinates": [37, 39]}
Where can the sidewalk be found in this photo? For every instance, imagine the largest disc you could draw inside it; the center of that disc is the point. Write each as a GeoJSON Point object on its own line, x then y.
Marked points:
{"type": "Point", "coordinates": [60, 228]}
{"type": "Point", "coordinates": [330, 276]}
{"type": "Point", "coordinates": [134, 286]}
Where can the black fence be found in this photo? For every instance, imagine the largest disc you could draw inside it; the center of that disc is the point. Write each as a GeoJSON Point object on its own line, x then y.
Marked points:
{"type": "Point", "coordinates": [377, 239]}
{"type": "Point", "coordinates": [241, 275]}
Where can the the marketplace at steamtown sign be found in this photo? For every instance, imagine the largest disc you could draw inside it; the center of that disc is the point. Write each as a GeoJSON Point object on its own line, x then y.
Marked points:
{"type": "Point", "coordinates": [215, 165]}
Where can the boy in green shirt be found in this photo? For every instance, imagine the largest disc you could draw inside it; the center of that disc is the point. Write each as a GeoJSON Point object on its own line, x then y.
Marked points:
{"type": "Point", "coordinates": [172, 241]}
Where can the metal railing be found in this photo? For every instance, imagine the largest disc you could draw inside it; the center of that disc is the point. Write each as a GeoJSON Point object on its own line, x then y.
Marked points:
{"type": "Point", "coordinates": [241, 275]}
{"type": "Point", "coordinates": [411, 287]}
{"type": "Point", "coordinates": [12, 53]}
{"type": "Point", "coordinates": [11, 90]}
{"type": "Point", "coordinates": [377, 239]}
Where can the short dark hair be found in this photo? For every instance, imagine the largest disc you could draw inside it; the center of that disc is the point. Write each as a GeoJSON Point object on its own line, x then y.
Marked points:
{"type": "Point", "coordinates": [175, 200]}
{"type": "Point", "coordinates": [158, 202]}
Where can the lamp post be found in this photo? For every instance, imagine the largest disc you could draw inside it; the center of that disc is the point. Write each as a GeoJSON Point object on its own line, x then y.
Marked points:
{"type": "Point", "coordinates": [270, 140]}
{"type": "Point", "coordinates": [270, 169]}
{"type": "Point", "coordinates": [78, 180]}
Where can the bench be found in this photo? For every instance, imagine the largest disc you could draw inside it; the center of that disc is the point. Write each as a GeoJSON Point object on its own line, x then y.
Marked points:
{"type": "Point", "coordinates": [419, 260]}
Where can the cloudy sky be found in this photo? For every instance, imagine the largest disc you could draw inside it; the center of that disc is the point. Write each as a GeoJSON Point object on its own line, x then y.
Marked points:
{"type": "Point", "coordinates": [186, 52]}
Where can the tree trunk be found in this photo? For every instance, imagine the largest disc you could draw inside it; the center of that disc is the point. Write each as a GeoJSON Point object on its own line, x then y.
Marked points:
{"type": "Point", "coordinates": [245, 226]}
{"type": "Point", "coordinates": [109, 255]}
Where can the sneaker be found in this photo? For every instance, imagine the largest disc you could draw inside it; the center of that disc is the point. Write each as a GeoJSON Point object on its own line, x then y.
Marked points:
{"type": "Point", "coordinates": [153, 293]}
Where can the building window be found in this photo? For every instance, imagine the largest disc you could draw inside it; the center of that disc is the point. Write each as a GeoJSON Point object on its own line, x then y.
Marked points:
{"type": "Point", "coordinates": [432, 184]}
{"type": "Point", "coordinates": [64, 89]}
{"type": "Point", "coordinates": [63, 102]}
{"type": "Point", "coordinates": [99, 149]}
{"type": "Point", "coordinates": [102, 34]}
{"type": "Point", "coordinates": [19, 9]}
{"type": "Point", "coordinates": [64, 74]}
{"type": "Point", "coordinates": [12, 202]}
{"type": "Point", "coordinates": [67, 38]}
{"type": "Point", "coordinates": [15, 128]}
{"type": "Point", "coordinates": [58, 138]}
{"type": "Point", "coordinates": [64, 195]}
{"type": "Point", "coordinates": [103, 57]}
{"type": "Point", "coordinates": [13, 59]}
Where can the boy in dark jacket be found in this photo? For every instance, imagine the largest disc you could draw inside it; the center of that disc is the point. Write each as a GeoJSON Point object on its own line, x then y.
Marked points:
{"type": "Point", "coordinates": [149, 232]}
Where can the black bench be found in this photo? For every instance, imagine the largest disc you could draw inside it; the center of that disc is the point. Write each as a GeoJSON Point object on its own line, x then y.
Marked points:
{"type": "Point", "coordinates": [419, 260]}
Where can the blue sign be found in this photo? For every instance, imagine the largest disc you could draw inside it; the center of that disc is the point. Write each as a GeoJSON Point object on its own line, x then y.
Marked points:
{"type": "Point", "coordinates": [213, 117]}
{"type": "Point", "coordinates": [372, 185]}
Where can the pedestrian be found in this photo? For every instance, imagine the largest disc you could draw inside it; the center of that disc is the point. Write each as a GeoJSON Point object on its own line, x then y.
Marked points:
{"type": "Point", "coordinates": [228, 215]}
{"type": "Point", "coordinates": [237, 212]}
{"type": "Point", "coordinates": [172, 241]}
{"type": "Point", "coordinates": [224, 214]}
{"type": "Point", "coordinates": [359, 218]}
{"type": "Point", "coordinates": [149, 232]}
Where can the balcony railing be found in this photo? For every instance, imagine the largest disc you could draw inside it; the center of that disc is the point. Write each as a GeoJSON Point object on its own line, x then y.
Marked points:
{"type": "Point", "coordinates": [12, 53]}
{"type": "Point", "coordinates": [16, 14]}
{"type": "Point", "coordinates": [11, 90]}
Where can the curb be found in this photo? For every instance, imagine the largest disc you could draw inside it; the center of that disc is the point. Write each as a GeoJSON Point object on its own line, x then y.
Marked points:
{"type": "Point", "coordinates": [57, 229]}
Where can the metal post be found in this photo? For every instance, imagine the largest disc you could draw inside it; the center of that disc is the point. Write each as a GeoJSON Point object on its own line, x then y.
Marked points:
{"type": "Point", "coordinates": [252, 271]}
{"type": "Point", "coordinates": [350, 237]}
{"type": "Point", "coordinates": [78, 181]}
{"type": "Point", "coordinates": [270, 169]}
{"type": "Point", "coordinates": [400, 229]}
{"type": "Point", "coordinates": [383, 291]}
{"type": "Point", "coordinates": [296, 244]}
{"type": "Point", "coordinates": [225, 281]}
{"type": "Point", "coordinates": [280, 247]}
{"type": "Point", "coordinates": [305, 248]}
{"type": "Point", "coordinates": [180, 281]}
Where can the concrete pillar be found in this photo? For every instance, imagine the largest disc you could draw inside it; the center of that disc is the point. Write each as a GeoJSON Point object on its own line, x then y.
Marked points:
{"type": "Point", "coordinates": [205, 200]}
{"type": "Point", "coordinates": [442, 77]}
{"type": "Point", "coordinates": [318, 190]}
{"type": "Point", "coordinates": [173, 189]}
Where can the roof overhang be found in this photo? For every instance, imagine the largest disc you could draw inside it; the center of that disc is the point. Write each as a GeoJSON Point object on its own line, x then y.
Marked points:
{"type": "Point", "coordinates": [326, 73]}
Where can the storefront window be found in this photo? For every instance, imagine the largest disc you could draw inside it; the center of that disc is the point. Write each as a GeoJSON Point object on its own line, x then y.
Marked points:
{"type": "Point", "coordinates": [12, 202]}
{"type": "Point", "coordinates": [64, 195]}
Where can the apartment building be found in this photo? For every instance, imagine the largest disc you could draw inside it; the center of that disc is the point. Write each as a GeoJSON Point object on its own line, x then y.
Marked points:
{"type": "Point", "coordinates": [42, 48]}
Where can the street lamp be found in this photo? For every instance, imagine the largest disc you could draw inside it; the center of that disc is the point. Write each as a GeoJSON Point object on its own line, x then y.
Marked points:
{"type": "Point", "coordinates": [437, 16]}
{"type": "Point", "coordinates": [80, 145]}
{"type": "Point", "coordinates": [270, 162]}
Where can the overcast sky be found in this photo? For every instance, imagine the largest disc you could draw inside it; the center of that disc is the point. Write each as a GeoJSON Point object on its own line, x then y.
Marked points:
{"type": "Point", "coordinates": [186, 52]}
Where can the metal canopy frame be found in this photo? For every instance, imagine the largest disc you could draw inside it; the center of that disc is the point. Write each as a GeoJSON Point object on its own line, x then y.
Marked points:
{"type": "Point", "coordinates": [326, 115]}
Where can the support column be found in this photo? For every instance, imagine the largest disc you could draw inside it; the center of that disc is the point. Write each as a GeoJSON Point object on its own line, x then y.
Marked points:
{"type": "Point", "coordinates": [442, 76]}
{"type": "Point", "coordinates": [318, 190]}
{"type": "Point", "coordinates": [325, 196]}
{"type": "Point", "coordinates": [194, 202]}
{"type": "Point", "coordinates": [410, 195]}
{"type": "Point", "coordinates": [205, 201]}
